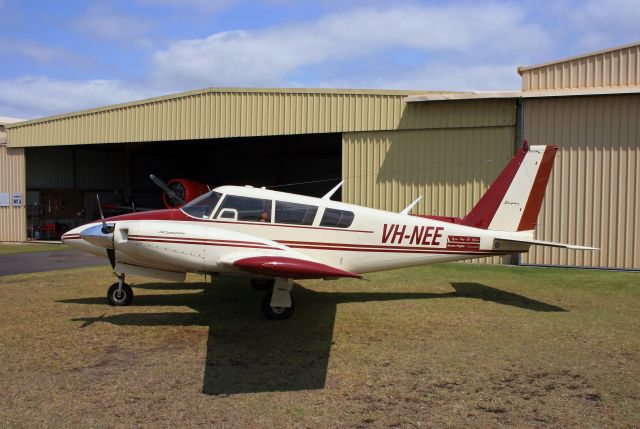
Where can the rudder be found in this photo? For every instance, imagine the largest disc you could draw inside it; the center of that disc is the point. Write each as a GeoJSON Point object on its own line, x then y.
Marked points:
{"type": "Point", "coordinates": [513, 200]}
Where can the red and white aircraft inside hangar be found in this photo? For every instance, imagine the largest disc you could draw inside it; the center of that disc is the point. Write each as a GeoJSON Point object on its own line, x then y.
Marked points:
{"type": "Point", "coordinates": [275, 237]}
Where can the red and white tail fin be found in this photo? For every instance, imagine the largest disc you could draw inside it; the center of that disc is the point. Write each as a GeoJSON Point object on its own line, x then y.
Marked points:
{"type": "Point", "coordinates": [513, 200]}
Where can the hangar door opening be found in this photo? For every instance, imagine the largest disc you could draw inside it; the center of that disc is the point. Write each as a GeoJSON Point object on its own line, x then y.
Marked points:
{"type": "Point", "coordinates": [62, 182]}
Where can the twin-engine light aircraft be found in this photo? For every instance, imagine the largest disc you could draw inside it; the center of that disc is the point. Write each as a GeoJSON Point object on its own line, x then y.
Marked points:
{"type": "Point", "coordinates": [276, 237]}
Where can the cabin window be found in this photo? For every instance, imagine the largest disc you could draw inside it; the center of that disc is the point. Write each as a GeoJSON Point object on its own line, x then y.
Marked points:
{"type": "Point", "coordinates": [293, 213]}
{"type": "Point", "coordinates": [248, 209]}
{"type": "Point", "coordinates": [337, 218]}
{"type": "Point", "coordinates": [202, 206]}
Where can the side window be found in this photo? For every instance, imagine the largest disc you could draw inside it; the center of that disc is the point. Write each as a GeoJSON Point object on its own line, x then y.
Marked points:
{"type": "Point", "coordinates": [293, 213]}
{"type": "Point", "coordinates": [248, 209]}
{"type": "Point", "coordinates": [337, 218]}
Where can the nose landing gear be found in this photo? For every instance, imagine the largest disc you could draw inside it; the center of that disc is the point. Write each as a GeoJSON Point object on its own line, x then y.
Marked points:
{"type": "Point", "coordinates": [120, 293]}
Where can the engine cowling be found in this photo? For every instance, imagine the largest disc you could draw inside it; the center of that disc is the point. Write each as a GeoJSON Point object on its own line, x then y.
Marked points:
{"type": "Point", "coordinates": [186, 189]}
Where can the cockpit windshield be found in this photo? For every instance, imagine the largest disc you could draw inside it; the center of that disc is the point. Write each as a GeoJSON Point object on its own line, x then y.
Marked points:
{"type": "Point", "coordinates": [202, 206]}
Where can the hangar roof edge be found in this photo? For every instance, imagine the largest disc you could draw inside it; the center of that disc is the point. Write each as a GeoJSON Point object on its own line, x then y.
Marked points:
{"type": "Point", "coordinates": [521, 69]}
{"type": "Point", "coordinates": [144, 101]}
{"type": "Point", "coordinates": [486, 95]}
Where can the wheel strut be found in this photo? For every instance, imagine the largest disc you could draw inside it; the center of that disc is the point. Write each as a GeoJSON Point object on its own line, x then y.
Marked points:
{"type": "Point", "coordinates": [120, 282]}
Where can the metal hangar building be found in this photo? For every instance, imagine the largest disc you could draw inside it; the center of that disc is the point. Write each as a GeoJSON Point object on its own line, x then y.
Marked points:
{"type": "Point", "coordinates": [389, 146]}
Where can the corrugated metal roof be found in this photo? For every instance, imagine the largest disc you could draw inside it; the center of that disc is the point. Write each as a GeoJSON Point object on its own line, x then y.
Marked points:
{"type": "Point", "coordinates": [225, 112]}
{"type": "Point", "coordinates": [577, 57]}
{"type": "Point", "coordinates": [486, 95]}
{"type": "Point", "coordinates": [611, 68]}
{"type": "Point", "coordinates": [234, 90]}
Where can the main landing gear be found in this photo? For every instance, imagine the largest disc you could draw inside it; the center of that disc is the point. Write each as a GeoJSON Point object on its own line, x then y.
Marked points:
{"type": "Point", "coordinates": [277, 303]}
{"type": "Point", "coordinates": [120, 293]}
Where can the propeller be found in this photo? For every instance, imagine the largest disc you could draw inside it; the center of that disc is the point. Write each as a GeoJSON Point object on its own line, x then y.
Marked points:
{"type": "Point", "coordinates": [170, 192]}
{"type": "Point", "coordinates": [106, 229]}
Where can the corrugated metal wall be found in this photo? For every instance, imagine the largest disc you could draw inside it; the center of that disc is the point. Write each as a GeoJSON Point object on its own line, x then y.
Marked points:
{"type": "Point", "coordinates": [450, 166]}
{"type": "Point", "coordinates": [593, 196]}
{"type": "Point", "coordinates": [218, 113]}
{"type": "Point", "coordinates": [614, 68]}
{"type": "Point", "coordinates": [13, 220]}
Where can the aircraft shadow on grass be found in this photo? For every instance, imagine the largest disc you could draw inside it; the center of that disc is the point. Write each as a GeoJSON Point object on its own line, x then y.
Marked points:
{"type": "Point", "coordinates": [246, 353]}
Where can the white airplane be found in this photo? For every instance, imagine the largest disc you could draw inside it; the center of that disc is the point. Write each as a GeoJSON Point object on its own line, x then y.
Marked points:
{"type": "Point", "coordinates": [276, 237]}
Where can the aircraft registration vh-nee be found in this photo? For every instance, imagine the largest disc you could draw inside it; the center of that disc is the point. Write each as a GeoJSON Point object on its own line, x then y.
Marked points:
{"type": "Point", "coordinates": [275, 237]}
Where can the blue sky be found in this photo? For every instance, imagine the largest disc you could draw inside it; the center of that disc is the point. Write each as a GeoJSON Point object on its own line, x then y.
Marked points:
{"type": "Point", "coordinates": [61, 56]}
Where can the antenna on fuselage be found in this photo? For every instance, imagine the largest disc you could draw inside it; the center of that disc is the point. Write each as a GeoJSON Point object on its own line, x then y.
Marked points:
{"type": "Point", "coordinates": [329, 194]}
{"type": "Point", "coordinates": [410, 206]}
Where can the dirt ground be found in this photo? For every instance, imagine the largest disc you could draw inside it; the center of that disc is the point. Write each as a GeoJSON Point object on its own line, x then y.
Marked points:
{"type": "Point", "coordinates": [451, 345]}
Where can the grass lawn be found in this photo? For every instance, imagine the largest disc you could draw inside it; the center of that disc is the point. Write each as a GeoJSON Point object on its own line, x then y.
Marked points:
{"type": "Point", "coordinates": [30, 247]}
{"type": "Point", "coordinates": [448, 345]}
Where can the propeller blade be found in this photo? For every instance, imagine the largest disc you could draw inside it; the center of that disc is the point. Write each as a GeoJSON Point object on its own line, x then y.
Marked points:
{"type": "Point", "coordinates": [111, 254]}
{"type": "Point", "coordinates": [105, 228]}
{"type": "Point", "coordinates": [165, 188]}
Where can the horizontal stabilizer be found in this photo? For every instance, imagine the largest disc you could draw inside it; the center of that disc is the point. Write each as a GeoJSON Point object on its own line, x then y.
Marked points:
{"type": "Point", "coordinates": [279, 266]}
{"type": "Point", "coordinates": [546, 243]}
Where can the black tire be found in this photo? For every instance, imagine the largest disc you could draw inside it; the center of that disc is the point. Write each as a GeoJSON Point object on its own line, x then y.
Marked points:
{"type": "Point", "coordinates": [262, 284]}
{"type": "Point", "coordinates": [120, 300]}
{"type": "Point", "coordinates": [275, 313]}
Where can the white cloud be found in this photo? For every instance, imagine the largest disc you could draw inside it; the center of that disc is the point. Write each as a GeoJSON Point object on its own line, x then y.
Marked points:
{"type": "Point", "coordinates": [602, 24]}
{"type": "Point", "coordinates": [29, 97]}
{"type": "Point", "coordinates": [101, 21]}
{"type": "Point", "coordinates": [469, 34]}
{"type": "Point", "coordinates": [440, 77]}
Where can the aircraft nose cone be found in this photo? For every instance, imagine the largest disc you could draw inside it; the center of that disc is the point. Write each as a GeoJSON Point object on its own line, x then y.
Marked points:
{"type": "Point", "coordinates": [69, 236]}
{"type": "Point", "coordinates": [95, 236]}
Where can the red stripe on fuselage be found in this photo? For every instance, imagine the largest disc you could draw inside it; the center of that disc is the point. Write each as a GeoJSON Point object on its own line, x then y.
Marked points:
{"type": "Point", "coordinates": [197, 239]}
{"type": "Point", "coordinates": [434, 251]}
{"type": "Point", "coordinates": [348, 247]}
{"type": "Point", "coordinates": [201, 243]}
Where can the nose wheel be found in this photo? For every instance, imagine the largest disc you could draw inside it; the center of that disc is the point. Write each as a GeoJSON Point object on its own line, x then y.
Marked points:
{"type": "Point", "coordinates": [120, 293]}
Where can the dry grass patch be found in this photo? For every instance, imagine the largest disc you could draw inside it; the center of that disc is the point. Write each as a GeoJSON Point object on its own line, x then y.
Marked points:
{"type": "Point", "coordinates": [447, 346]}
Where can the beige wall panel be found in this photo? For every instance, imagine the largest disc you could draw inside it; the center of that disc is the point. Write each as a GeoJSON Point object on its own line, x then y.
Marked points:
{"type": "Point", "coordinates": [593, 195]}
{"type": "Point", "coordinates": [450, 168]}
{"type": "Point", "coordinates": [615, 68]}
{"type": "Point", "coordinates": [238, 113]}
{"type": "Point", "coordinates": [13, 220]}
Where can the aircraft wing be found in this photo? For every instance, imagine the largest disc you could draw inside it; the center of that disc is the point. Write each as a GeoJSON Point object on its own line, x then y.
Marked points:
{"type": "Point", "coordinates": [546, 243]}
{"type": "Point", "coordinates": [283, 266]}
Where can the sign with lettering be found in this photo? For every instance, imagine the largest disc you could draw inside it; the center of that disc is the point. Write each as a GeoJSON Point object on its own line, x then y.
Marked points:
{"type": "Point", "coordinates": [17, 199]}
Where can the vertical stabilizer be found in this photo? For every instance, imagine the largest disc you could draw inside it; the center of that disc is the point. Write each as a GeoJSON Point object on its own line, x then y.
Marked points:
{"type": "Point", "coordinates": [513, 200]}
